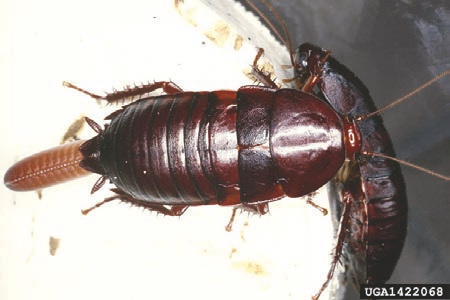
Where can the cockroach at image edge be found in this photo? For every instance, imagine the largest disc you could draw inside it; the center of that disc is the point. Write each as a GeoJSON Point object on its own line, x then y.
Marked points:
{"type": "Point", "coordinates": [371, 188]}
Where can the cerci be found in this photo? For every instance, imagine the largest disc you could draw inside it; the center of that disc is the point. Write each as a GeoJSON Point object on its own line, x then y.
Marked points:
{"type": "Point", "coordinates": [247, 147]}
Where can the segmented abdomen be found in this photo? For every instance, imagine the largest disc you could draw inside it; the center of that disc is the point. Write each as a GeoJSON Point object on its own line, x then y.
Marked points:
{"type": "Point", "coordinates": [175, 149]}
{"type": "Point", "coordinates": [46, 168]}
{"type": "Point", "coordinates": [223, 147]}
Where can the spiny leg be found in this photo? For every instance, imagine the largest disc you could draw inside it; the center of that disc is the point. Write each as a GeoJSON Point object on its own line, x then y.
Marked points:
{"type": "Point", "coordinates": [173, 210]}
{"type": "Point", "coordinates": [347, 201]}
{"type": "Point", "coordinates": [259, 74]}
{"type": "Point", "coordinates": [128, 92]}
{"type": "Point", "coordinates": [310, 201]}
{"type": "Point", "coordinates": [258, 209]}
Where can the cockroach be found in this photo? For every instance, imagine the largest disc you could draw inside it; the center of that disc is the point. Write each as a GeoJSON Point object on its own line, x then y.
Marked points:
{"type": "Point", "coordinates": [245, 147]}
{"type": "Point", "coordinates": [372, 188]}
{"type": "Point", "coordinates": [248, 147]}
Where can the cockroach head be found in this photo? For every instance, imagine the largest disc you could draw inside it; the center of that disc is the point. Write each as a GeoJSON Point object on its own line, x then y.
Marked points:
{"type": "Point", "coordinates": [308, 60]}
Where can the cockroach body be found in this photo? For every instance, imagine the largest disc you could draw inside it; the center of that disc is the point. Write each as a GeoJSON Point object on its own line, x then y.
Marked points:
{"type": "Point", "coordinates": [244, 147]}
{"type": "Point", "coordinates": [372, 188]}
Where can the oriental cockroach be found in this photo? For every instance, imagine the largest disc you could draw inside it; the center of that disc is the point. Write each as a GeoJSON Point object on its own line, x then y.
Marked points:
{"type": "Point", "coordinates": [373, 191]}
{"type": "Point", "coordinates": [374, 216]}
{"type": "Point", "coordinates": [234, 147]}
{"type": "Point", "coordinates": [183, 151]}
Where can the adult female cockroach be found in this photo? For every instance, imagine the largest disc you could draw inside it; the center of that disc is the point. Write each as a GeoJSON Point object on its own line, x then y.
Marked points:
{"type": "Point", "coordinates": [247, 147]}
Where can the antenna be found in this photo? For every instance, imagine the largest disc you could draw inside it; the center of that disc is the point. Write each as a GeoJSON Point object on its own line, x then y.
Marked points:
{"type": "Point", "coordinates": [403, 162]}
{"type": "Point", "coordinates": [400, 100]}
{"type": "Point", "coordinates": [287, 41]}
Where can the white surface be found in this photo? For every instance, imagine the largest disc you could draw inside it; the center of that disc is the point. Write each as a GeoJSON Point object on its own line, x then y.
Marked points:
{"type": "Point", "coordinates": [118, 252]}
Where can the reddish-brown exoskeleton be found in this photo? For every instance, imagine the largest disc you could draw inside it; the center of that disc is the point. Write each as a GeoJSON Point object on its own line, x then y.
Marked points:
{"type": "Point", "coordinates": [245, 147]}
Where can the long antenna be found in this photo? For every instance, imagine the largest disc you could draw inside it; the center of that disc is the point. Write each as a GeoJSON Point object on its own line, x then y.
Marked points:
{"type": "Point", "coordinates": [447, 178]}
{"type": "Point", "coordinates": [400, 100]}
{"type": "Point", "coordinates": [286, 42]}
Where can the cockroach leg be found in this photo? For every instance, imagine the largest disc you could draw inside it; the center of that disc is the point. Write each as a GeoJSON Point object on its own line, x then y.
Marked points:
{"type": "Point", "coordinates": [130, 92]}
{"type": "Point", "coordinates": [347, 201]}
{"type": "Point", "coordinates": [259, 74]}
{"type": "Point", "coordinates": [88, 210]}
{"type": "Point", "coordinates": [258, 209]}
{"type": "Point", "coordinates": [173, 210]}
{"type": "Point", "coordinates": [229, 226]}
{"type": "Point", "coordinates": [258, 56]}
{"type": "Point", "coordinates": [309, 200]}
